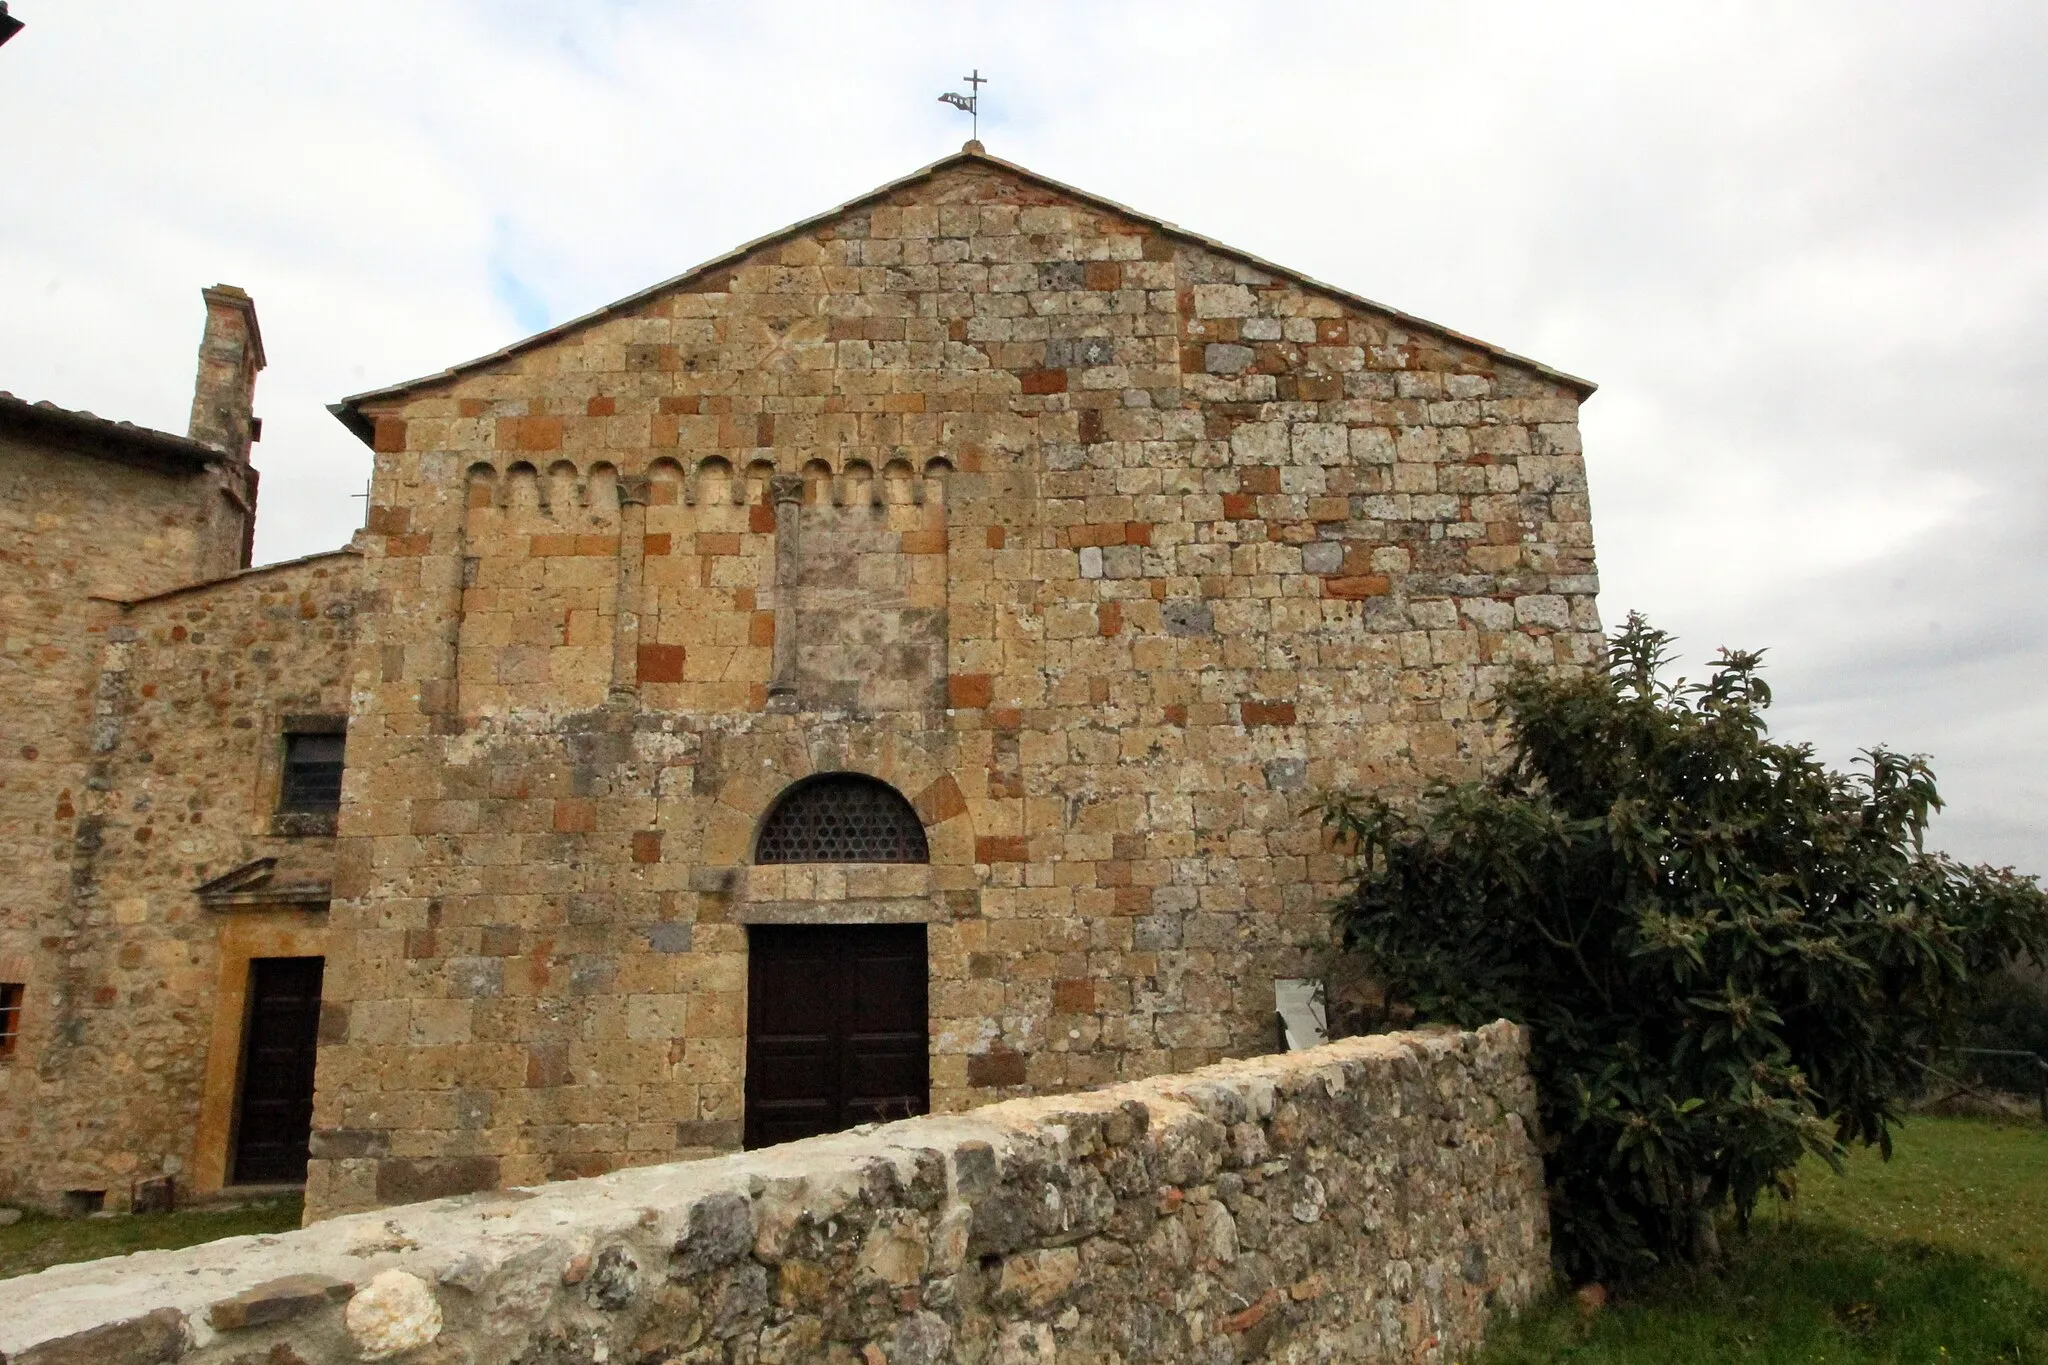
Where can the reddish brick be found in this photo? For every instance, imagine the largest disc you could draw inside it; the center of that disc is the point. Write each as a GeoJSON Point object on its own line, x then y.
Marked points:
{"type": "Point", "coordinates": [1137, 533]}
{"type": "Point", "coordinates": [1006, 718]}
{"type": "Point", "coordinates": [686, 403]}
{"type": "Point", "coordinates": [532, 433]}
{"type": "Point", "coordinates": [473, 407]}
{"type": "Point", "coordinates": [941, 801]}
{"type": "Point", "coordinates": [547, 1064]}
{"type": "Point", "coordinates": [924, 542]}
{"type": "Point", "coordinates": [575, 815]}
{"type": "Point", "coordinates": [1259, 479]}
{"type": "Point", "coordinates": [764, 429]}
{"type": "Point", "coordinates": [761, 519]}
{"type": "Point", "coordinates": [1134, 900]}
{"type": "Point", "coordinates": [1044, 381]}
{"type": "Point", "coordinates": [995, 1068]}
{"type": "Point", "coordinates": [660, 663]}
{"type": "Point", "coordinates": [1073, 997]}
{"type": "Point", "coordinates": [389, 435]}
{"type": "Point", "coordinates": [1357, 586]}
{"type": "Point", "coordinates": [406, 547]}
{"type": "Point", "coordinates": [964, 690]}
{"type": "Point", "coordinates": [1240, 1322]}
{"type": "Point", "coordinates": [1103, 275]}
{"type": "Point", "coordinates": [718, 543]}
{"type": "Point", "coordinates": [1266, 712]}
{"type": "Point", "coordinates": [996, 536]}
{"type": "Point", "coordinates": [647, 846]}
{"type": "Point", "coordinates": [1109, 618]}
{"type": "Point", "coordinates": [1239, 506]}
{"type": "Point", "coordinates": [1176, 714]}
{"type": "Point", "coordinates": [600, 407]}
{"type": "Point", "coordinates": [1001, 848]}
{"type": "Point", "coordinates": [657, 544]}
{"type": "Point", "coordinates": [761, 629]}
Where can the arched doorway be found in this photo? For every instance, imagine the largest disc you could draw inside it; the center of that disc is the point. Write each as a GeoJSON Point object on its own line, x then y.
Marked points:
{"type": "Point", "coordinates": [838, 1024]}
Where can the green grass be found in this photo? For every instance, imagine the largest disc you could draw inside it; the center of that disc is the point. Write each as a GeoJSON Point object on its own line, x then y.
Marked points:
{"type": "Point", "coordinates": [1939, 1256]}
{"type": "Point", "coordinates": [1971, 1185]}
{"type": "Point", "coordinates": [38, 1242]}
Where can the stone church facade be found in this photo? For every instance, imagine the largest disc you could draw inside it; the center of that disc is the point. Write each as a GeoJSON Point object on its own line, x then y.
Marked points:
{"type": "Point", "coordinates": [885, 668]}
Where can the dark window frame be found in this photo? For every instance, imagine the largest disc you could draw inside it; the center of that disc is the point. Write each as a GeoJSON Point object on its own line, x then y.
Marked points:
{"type": "Point", "coordinates": [12, 993]}
{"type": "Point", "coordinates": [309, 782]}
{"type": "Point", "coordinates": [841, 818]}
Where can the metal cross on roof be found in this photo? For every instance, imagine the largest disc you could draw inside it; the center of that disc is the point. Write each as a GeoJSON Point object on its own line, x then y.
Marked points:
{"type": "Point", "coordinates": [971, 103]}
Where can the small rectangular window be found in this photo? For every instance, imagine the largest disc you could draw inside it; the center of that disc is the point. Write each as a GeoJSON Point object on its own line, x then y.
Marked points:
{"type": "Point", "coordinates": [312, 774]}
{"type": "Point", "coordinates": [10, 1015]}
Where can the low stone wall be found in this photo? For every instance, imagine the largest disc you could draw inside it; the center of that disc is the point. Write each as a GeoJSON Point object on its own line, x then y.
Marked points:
{"type": "Point", "coordinates": [1375, 1199]}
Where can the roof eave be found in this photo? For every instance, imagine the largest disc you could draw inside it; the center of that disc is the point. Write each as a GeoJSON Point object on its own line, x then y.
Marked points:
{"type": "Point", "coordinates": [349, 412]}
{"type": "Point", "coordinates": [87, 433]}
{"type": "Point", "coordinates": [239, 575]}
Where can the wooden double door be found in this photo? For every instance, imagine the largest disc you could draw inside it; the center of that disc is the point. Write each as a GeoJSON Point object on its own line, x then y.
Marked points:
{"type": "Point", "coordinates": [274, 1115]}
{"type": "Point", "coordinates": [837, 1028]}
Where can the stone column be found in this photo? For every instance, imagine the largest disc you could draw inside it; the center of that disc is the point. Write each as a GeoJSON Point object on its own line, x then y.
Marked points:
{"type": "Point", "coordinates": [787, 490]}
{"type": "Point", "coordinates": [626, 607]}
{"type": "Point", "coordinates": [444, 579]}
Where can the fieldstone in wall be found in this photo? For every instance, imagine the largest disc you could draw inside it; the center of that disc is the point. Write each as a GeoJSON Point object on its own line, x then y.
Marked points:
{"type": "Point", "coordinates": [1375, 1199]}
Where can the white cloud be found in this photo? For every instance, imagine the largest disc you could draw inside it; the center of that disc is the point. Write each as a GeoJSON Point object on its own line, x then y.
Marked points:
{"type": "Point", "coordinates": [1799, 246]}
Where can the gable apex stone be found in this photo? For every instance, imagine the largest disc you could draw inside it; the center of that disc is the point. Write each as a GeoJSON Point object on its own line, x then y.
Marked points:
{"type": "Point", "coordinates": [713, 275]}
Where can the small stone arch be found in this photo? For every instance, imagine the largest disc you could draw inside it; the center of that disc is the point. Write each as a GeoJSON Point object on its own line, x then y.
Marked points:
{"type": "Point", "coordinates": [521, 488]}
{"type": "Point", "coordinates": [841, 817]}
{"type": "Point", "coordinates": [481, 487]}
{"type": "Point", "coordinates": [601, 489]}
{"type": "Point", "coordinates": [817, 476]}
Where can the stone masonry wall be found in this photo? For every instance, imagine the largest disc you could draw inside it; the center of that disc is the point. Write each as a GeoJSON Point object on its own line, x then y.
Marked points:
{"type": "Point", "coordinates": [1378, 1199]}
{"type": "Point", "coordinates": [1191, 539]}
{"type": "Point", "coordinates": [74, 527]}
{"type": "Point", "coordinates": [133, 1068]}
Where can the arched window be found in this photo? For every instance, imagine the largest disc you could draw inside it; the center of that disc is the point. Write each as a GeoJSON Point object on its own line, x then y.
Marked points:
{"type": "Point", "coordinates": [842, 818]}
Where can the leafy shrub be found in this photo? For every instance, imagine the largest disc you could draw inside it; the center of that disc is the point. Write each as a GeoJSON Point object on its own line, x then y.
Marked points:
{"type": "Point", "coordinates": [1727, 953]}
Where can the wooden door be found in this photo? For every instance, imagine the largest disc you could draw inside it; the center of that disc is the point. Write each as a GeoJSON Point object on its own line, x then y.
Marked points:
{"type": "Point", "coordinates": [836, 1028]}
{"type": "Point", "coordinates": [274, 1119]}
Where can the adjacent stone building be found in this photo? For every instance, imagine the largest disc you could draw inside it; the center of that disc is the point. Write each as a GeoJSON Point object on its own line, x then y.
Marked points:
{"type": "Point", "coordinates": [885, 668]}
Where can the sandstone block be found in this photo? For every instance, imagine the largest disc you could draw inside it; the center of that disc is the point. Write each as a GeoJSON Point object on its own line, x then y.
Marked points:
{"type": "Point", "coordinates": [278, 1300]}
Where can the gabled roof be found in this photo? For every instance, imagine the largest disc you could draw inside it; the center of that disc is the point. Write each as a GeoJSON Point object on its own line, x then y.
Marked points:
{"type": "Point", "coordinates": [349, 410]}
{"type": "Point", "coordinates": [238, 576]}
{"type": "Point", "coordinates": [87, 434]}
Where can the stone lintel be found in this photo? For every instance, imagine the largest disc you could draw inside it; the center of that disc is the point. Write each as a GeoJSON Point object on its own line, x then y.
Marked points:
{"type": "Point", "coordinates": [897, 910]}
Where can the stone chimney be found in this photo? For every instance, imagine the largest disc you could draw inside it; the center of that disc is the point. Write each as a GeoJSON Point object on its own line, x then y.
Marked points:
{"type": "Point", "coordinates": [230, 353]}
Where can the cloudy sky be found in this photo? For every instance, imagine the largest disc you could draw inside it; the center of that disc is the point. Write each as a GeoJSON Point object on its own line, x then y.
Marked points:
{"type": "Point", "coordinates": [1803, 248]}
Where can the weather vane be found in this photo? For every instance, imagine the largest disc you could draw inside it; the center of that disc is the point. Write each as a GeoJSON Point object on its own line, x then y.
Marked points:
{"type": "Point", "coordinates": [971, 103]}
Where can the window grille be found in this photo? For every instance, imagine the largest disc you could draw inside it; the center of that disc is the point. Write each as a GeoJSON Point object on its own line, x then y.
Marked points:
{"type": "Point", "coordinates": [842, 818]}
{"type": "Point", "coordinates": [10, 1015]}
{"type": "Point", "coordinates": [312, 773]}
